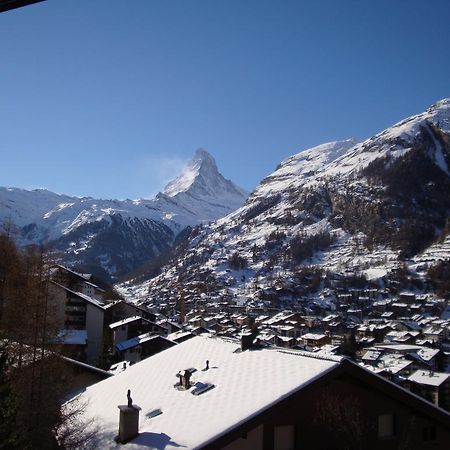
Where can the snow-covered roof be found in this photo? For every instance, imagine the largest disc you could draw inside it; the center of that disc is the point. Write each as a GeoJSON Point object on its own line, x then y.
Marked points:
{"type": "Point", "coordinates": [130, 343]}
{"type": "Point", "coordinates": [398, 347]}
{"type": "Point", "coordinates": [72, 337]}
{"type": "Point", "coordinates": [124, 321]}
{"type": "Point", "coordinates": [371, 355]}
{"type": "Point", "coordinates": [85, 366]}
{"type": "Point", "coordinates": [83, 276]}
{"type": "Point", "coordinates": [119, 367]}
{"type": "Point", "coordinates": [284, 327]}
{"type": "Point", "coordinates": [314, 336]}
{"type": "Point", "coordinates": [245, 384]}
{"type": "Point", "coordinates": [90, 300]}
{"type": "Point", "coordinates": [427, 353]}
{"type": "Point", "coordinates": [429, 378]}
{"type": "Point", "coordinates": [178, 335]}
{"type": "Point", "coordinates": [394, 363]}
{"type": "Point", "coordinates": [285, 339]}
{"type": "Point", "coordinates": [327, 350]}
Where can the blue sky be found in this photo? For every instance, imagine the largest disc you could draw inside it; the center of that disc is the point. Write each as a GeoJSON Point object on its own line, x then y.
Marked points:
{"type": "Point", "coordinates": [108, 98]}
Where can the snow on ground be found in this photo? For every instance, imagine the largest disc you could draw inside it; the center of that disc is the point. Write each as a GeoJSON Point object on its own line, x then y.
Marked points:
{"type": "Point", "coordinates": [434, 253]}
{"type": "Point", "coordinates": [329, 165]}
{"type": "Point", "coordinates": [199, 195]}
{"type": "Point", "coordinates": [375, 273]}
{"type": "Point", "coordinates": [303, 166]}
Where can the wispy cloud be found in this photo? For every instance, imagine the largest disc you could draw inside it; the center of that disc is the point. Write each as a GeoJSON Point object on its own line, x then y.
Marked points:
{"type": "Point", "coordinates": [156, 171]}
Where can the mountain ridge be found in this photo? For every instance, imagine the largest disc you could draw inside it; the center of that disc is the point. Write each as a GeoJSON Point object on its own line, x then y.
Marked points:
{"type": "Point", "coordinates": [362, 207]}
{"type": "Point", "coordinates": [72, 224]}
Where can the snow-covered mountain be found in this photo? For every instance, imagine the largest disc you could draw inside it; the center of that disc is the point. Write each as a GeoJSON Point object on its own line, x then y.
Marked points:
{"type": "Point", "coordinates": [341, 207]}
{"type": "Point", "coordinates": [200, 191]}
{"type": "Point", "coordinates": [121, 234]}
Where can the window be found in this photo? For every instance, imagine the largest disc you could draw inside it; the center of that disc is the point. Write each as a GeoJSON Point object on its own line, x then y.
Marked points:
{"type": "Point", "coordinates": [284, 437]}
{"type": "Point", "coordinates": [429, 433]}
{"type": "Point", "coordinates": [386, 426]}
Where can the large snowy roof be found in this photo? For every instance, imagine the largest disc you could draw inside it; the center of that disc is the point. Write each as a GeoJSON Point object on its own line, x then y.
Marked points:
{"type": "Point", "coordinates": [245, 383]}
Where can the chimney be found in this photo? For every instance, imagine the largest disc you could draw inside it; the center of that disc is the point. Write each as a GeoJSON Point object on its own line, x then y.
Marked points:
{"type": "Point", "coordinates": [246, 341]}
{"type": "Point", "coordinates": [185, 376]}
{"type": "Point", "coordinates": [128, 421]}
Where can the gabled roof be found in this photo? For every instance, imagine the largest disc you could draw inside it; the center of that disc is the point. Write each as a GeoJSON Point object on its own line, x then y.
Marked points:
{"type": "Point", "coordinates": [245, 387]}
{"type": "Point", "coordinates": [245, 384]}
{"type": "Point", "coordinates": [138, 340]}
{"type": "Point", "coordinates": [90, 300]}
{"type": "Point", "coordinates": [85, 366]}
{"type": "Point", "coordinates": [81, 276]}
{"type": "Point", "coordinates": [314, 336]}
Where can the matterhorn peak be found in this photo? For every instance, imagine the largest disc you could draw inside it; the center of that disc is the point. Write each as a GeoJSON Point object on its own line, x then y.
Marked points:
{"type": "Point", "coordinates": [202, 155]}
{"type": "Point", "coordinates": [201, 181]}
{"type": "Point", "coordinates": [202, 161]}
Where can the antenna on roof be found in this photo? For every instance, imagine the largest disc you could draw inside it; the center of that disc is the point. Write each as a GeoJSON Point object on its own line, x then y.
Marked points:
{"type": "Point", "coordinates": [130, 400]}
{"type": "Point", "coordinates": [128, 421]}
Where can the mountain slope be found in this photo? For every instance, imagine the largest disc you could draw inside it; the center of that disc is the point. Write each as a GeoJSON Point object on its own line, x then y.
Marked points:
{"type": "Point", "coordinates": [342, 207]}
{"type": "Point", "coordinates": [120, 235]}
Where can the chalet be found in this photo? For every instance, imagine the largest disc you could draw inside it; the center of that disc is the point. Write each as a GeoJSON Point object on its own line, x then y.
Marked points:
{"type": "Point", "coordinates": [267, 338]}
{"type": "Point", "coordinates": [333, 322]}
{"type": "Point", "coordinates": [402, 337]}
{"type": "Point", "coordinates": [434, 386]}
{"type": "Point", "coordinates": [133, 326]}
{"type": "Point", "coordinates": [284, 341]}
{"type": "Point", "coordinates": [315, 339]}
{"type": "Point", "coordinates": [207, 393]}
{"type": "Point", "coordinates": [121, 309]}
{"type": "Point", "coordinates": [395, 364]}
{"type": "Point", "coordinates": [371, 356]}
{"type": "Point", "coordinates": [435, 333]}
{"type": "Point", "coordinates": [286, 330]}
{"type": "Point", "coordinates": [141, 347]}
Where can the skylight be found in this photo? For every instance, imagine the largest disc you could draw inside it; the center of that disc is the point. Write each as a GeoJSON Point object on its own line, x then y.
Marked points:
{"type": "Point", "coordinates": [201, 388]}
